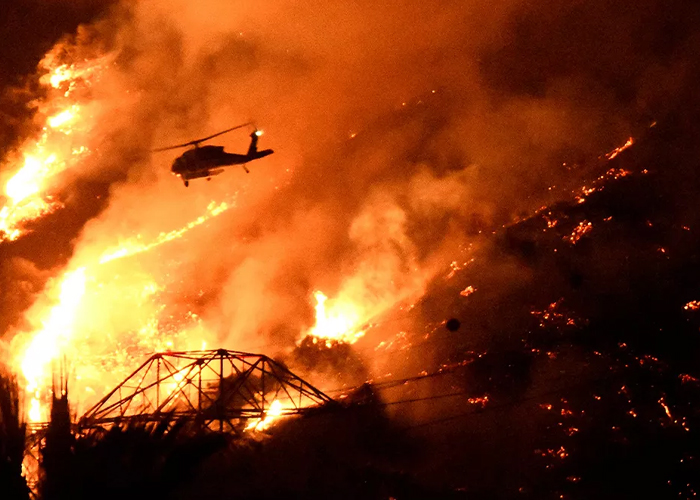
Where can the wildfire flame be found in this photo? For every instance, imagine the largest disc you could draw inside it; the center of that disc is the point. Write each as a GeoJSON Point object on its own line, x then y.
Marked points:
{"type": "Point", "coordinates": [60, 333]}
{"type": "Point", "coordinates": [336, 323]}
{"type": "Point", "coordinates": [133, 247]}
{"type": "Point", "coordinates": [84, 296]}
{"type": "Point", "coordinates": [47, 342]}
{"type": "Point", "coordinates": [272, 414]}
{"type": "Point", "coordinates": [52, 153]}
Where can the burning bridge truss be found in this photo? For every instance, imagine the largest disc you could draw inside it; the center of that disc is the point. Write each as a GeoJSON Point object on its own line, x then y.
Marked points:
{"type": "Point", "coordinates": [219, 390]}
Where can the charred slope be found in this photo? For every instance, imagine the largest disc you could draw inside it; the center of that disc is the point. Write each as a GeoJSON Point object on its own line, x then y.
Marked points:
{"type": "Point", "coordinates": [581, 330]}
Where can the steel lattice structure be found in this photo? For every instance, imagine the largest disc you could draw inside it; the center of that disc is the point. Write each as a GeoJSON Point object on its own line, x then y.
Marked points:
{"type": "Point", "coordinates": [219, 390]}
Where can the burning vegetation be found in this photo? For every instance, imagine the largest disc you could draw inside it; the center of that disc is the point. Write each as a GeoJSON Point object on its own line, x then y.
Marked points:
{"type": "Point", "coordinates": [472, 252]}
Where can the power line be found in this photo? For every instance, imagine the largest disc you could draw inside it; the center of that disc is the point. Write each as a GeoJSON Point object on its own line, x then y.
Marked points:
{"type": "Point", "coordinates": [505, 404]}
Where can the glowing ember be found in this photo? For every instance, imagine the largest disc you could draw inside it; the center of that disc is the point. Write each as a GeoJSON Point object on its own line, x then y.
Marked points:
{"type": "Point", "coordinates": [551, 222]}
{"type": "Point", "coordinates": [599, 183]}
{"type": "Point", "coordinates": [455, 267]}
{"type": "Point", "coordinates": [667, 410]}
{"type": "Point", "coordinates": [338, 322]}
{"type": "Point", "coordinates": [481, 401]}
{"type": "Point", "coordinates": [686, 379]}
{"type": "Point", "coordinates": [560, 453]}
{"type": "Point", "coordinates": [612, 154]}
{"type": "Point", "coordinates": [550, 314]}
{"type": "Point", "coordinates": [579, 231]}
{"type": "Point", "coordinates": [467, 291]}
{"type": "Point", "coordinates": [693, 305]}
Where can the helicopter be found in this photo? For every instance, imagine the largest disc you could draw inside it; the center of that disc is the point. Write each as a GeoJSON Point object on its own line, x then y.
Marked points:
{"type": "Point", "coordinates": [207, 161]}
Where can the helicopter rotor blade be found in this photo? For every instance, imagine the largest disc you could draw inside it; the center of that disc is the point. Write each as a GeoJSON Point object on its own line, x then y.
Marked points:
{"type": "Point", "coordinates": [194, 143]}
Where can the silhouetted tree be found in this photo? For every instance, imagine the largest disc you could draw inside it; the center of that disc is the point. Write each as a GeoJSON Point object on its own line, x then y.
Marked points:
{"type": "Point", "coordinates": [12, 439]}
{"type": "Point", "coordinates": [57, 460]}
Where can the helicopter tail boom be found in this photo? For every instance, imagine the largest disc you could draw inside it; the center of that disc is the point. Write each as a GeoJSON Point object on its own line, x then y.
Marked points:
{"type": "Point", "coordinates": [256, 155]}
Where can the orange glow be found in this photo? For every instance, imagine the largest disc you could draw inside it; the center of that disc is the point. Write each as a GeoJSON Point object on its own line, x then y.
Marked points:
{"type": "Point", "coordinates": [455, 267]}
{"type": "Point", "coordinates": [560, 453]}
{"type": "Point", "coordinates": [693, 305]}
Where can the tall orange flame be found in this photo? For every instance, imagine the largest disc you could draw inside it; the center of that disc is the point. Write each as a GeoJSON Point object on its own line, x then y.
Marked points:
{"type": "Point", "coordinates": [84, 301]}
{"type": "Point", "coordinates": [338, 322]}
{"type": "Point", "coordinates": [47, 342]}
{"type": "Point", "coordinates": [52, 153]}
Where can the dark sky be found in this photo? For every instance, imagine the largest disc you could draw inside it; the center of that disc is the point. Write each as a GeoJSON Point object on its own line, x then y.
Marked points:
{"type": "Point", "coordinates": [28, 28]}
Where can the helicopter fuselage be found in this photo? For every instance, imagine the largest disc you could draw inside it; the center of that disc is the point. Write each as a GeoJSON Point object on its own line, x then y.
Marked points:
{"type": "Point", "coordinates": [206, 161]}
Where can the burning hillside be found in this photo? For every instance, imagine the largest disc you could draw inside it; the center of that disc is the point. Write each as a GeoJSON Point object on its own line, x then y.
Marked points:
{"type": "Point", "coordinates": [483, 212]}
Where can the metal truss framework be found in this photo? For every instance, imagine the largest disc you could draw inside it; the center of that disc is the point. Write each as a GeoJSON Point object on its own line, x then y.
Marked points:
{"type": "Point", "coordinates": [218, 390]}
